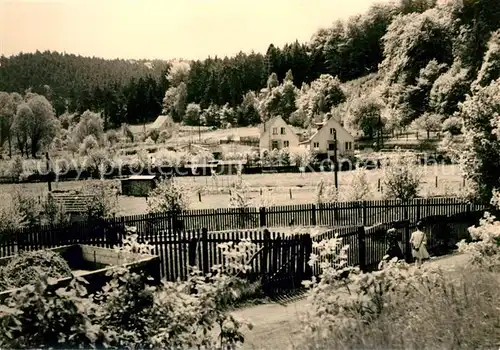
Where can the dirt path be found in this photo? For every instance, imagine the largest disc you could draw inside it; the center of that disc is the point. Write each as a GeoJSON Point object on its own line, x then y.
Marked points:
{"type": "Point", "coordinates": [277, 326]}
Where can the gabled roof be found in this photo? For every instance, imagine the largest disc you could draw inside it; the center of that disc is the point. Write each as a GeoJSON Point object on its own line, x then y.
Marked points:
{"type": "Point", "coordinates": [73, 203]}
{"type": "Point", "coordinates": [320, 126]}
{"type": "Point", "coordinates": [140, 177]}
{"type": "Point", "coordinates": [160, 121]}
{"type": "Point", "coordinates": [268, 124]}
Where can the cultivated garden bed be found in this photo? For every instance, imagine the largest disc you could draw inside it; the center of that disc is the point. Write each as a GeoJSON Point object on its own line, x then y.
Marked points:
{"type": "Point", "coordinates": [93, 264]}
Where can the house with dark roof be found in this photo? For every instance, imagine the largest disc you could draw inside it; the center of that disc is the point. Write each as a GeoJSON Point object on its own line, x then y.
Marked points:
{"type": "Point", "coordinates": [322, 141]}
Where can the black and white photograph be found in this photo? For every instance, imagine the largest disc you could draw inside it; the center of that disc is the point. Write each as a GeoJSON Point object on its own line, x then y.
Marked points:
{"type": "Point", "coordinates": [250, 174]}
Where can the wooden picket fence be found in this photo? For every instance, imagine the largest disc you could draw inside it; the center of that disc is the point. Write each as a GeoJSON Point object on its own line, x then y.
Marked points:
{"type": "Point", "coordinates": [281, 262]}
{"type": "Point", "coordinates": [366, 213]}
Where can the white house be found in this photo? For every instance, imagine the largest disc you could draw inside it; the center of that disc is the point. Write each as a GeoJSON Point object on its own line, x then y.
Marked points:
{"type": "Point", "coordinates": [322, 141]}
{"type": "Point", "coordinates": [277, 134]}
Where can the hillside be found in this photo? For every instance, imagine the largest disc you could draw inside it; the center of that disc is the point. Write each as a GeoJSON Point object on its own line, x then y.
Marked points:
{"type": "Point", "coordinates": [408, 63]}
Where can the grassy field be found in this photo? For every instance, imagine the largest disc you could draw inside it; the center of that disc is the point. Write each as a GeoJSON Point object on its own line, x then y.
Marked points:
{"type": "Point", "coordinates": [276, 188]}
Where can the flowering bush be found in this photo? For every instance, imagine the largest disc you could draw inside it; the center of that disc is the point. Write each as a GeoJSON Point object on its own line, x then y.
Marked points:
{"type": "Point", "coordinates": [360, 189]}
{"type": "Point", "coordinates": [402, 177]}
{"type": "Point", "coordinates": [399, 306]}
{"type": "Point", "coordinates": [169, 195]}
{"type": "Point", "coordinates": [326, 192]}
{"type": "Point", "coordinates": [485, 248]}
{"type": "Point", "coordinates": [104, 203]}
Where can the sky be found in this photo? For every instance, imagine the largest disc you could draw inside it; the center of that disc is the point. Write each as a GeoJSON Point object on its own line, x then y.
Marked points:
{"type": "Point", "coordinates": [164, 29]}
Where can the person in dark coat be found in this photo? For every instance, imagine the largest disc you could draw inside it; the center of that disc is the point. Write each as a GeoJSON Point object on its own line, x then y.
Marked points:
{"type": "Point", "coordinates": [393, 248]}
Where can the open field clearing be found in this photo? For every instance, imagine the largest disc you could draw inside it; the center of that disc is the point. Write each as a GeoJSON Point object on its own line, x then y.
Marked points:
{"type": "Point", "coordinates": [275, 188]}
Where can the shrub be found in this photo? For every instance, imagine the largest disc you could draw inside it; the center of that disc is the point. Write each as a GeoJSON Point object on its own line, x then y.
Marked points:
{"type": "Point", "coordinates": [38, 317]}
{"type": "Point", "coordinates": [164, 135]}
{"type": "Point", "coordinates": [153, 134]}
{"type": "Point", "coordinates": [104, 203]}
{"type": "Point", "coordinates": [112, 137]}
{"type": "Point", "coordinates": [402, 177]}
{"type": "Point", "coordinates": [399, 306]}
{"type": "Point", "coordinates": [169, 195]}
{"type": "Point", "coordinates": [128, 313]}
{"type": "Point", "coordinates": [238, 197]}
{"type": "Point", "coordinates": [29, 267]}
{"type": "Point", "coordinates": [54, 212]}
{"type": "Point", "coordinates": [11, 218]}
{"type": "Point", "coordinates": [27, 205]}
{"type": "Point", "coordinates": [15, 168]}
{"type": "Point", "coordinates": [360, 189]}
{"type": "Point", "coordinates": [485, 250]}
{"type": "Point", "coordinates": [326, 192]}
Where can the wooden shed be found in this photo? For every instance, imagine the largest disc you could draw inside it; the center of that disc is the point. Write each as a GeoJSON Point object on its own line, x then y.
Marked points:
{"type": "Point", "coordinates": [139, 185]}
{"type": "Point", "coordinates": [75, 205]}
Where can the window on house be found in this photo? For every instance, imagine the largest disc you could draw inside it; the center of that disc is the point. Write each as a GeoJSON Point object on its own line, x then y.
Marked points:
{"type": "Point", "coordinates": [331, 146]}
{"type": "Point", "coordinates": [274, 145]}
{"type": "Point", "coordinates": [275, 131]}
{"type": "Point", "coordinates": [286, 143]}
{"type": "Point", "coordinates": [348, 146]}
{"type": "Point", "coordinates": [332, 131]}
{"type": "Point", "coordinates": [282, 131]}
{"type": "Point", "coordinates": [316, 144]}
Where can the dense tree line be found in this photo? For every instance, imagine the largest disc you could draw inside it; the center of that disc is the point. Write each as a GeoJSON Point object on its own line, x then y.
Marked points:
{"type": "Point", "coordinates": [424, 59]}
{"type": "Point", "coordinates": [123, 90]}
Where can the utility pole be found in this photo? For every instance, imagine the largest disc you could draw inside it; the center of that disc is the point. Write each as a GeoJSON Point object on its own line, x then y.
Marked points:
{"type": "Point", "coordinates": [335, 162]}
{"type": "Point", "coordinates": [49, 171]}
{"type": "Point", "coordinates": [199, 128]}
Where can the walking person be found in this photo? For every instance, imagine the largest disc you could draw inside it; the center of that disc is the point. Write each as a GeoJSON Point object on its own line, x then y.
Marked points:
{"type": "Point", "coordinates": [418, 241]}
{"type": "Point", "coordinates": [393, 248]}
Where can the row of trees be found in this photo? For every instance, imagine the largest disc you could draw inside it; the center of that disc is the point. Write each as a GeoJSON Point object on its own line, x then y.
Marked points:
{"type": "Point", "coordinates": [131, 91]}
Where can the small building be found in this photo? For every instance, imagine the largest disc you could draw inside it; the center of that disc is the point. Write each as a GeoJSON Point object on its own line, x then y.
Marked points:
{"type": "Point", "coordinates": [76, 206]}
{"type": "Point", "coordinates": [277, 134]}
{"type": "Point", "coordinates": [163, 122]}
{"type": "Point", "coordinates": [322, 142]}
{"type": "Point", "coordinates": [139, 185]}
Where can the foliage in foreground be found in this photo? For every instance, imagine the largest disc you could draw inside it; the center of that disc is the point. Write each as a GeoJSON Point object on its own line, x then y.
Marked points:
{"type": "Point", "coordinates": [403, 307]}
{"type": "Point", "coordinates": [129, 313]}
{"type": "Point", "coordinates": [28, 267]}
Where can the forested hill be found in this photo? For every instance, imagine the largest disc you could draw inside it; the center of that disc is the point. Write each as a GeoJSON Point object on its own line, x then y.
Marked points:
{"type": "Point", "coordinates": [77, 83]}
{"type": "Point", "coordinates": [411, 45]}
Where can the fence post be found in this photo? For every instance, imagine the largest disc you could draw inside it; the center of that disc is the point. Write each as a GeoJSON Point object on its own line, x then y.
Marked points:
{"type": "Point", "coordinates": [204, 250]}
{"type": "Point", "coordinates": [192, 251]}
{"type": "Point", "coordinates": [418, 209]}
{"type": "Point", "coordinates": [362, 248]}
{"type": "Point", "coordinates": [406, 237]}
{"type": "Point", "coordinates": [263, 220]}
{"type": "Point", "coordinates": [308, 250]}
{"type": "Point", "coordinates": [313, 215]}
{"type": "Point", "coordinates": [265, 253]}
{"type": "Point", "coordinates": [365, 219]}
